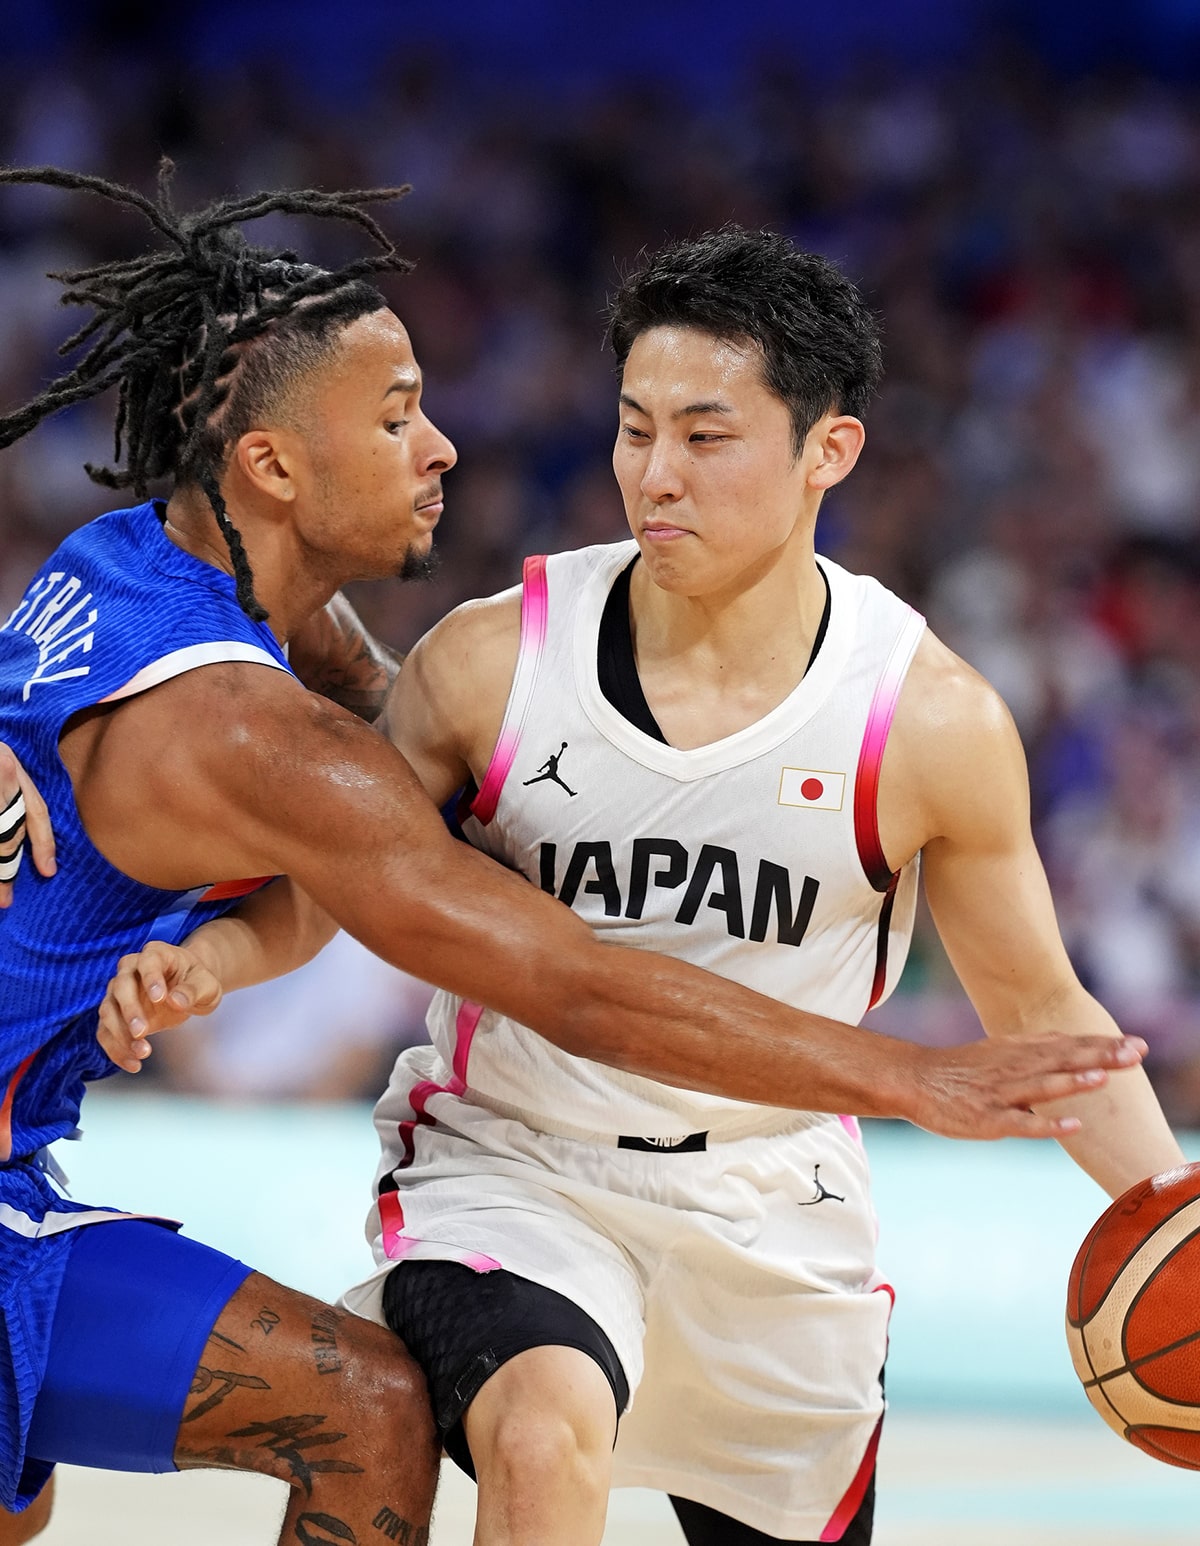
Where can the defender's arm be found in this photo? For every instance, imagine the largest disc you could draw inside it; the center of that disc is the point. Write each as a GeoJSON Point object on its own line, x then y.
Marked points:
{"type": "Point", "coordinates": [278, 781]}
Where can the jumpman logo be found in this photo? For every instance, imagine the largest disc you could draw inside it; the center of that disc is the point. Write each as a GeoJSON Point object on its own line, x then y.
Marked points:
{"type": "Point", "coordinates": [823, 1191]}
{"type": "Point", "coordinates": [549, 770]}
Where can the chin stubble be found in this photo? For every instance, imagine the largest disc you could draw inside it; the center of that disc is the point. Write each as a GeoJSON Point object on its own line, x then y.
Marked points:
{"type": "Point", "coordinates": [420, 566]}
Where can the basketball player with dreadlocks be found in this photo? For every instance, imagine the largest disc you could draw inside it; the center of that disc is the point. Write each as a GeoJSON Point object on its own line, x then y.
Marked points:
{"type": "Point", "coordinates": [145, 690]}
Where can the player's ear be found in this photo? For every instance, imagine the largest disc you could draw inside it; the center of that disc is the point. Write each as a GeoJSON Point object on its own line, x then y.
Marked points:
{"type": "Point", "coordinates": [833, 446]}
{"type": "Point", "coordinates": [267, 460]}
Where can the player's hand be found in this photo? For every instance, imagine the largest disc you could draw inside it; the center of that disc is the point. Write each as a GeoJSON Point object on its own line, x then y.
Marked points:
{"type": "Point", "coordinates": [155, 990]}
{"type": "Point", "coordinates": [23, 818]}
{"type": "Point", "coordinates": [985, 1089]}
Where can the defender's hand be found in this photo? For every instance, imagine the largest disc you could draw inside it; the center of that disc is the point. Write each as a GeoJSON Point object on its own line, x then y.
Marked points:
{"type": "Point", "coordinates": [985, 1089]}
{"type": "Point", "coordinates": [155, 990]}
{"type": "Point", "coordinates": [23, 817]}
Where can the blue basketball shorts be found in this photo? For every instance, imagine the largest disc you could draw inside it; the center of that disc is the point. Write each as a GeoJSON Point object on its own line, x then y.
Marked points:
{"type": "Point", "coordinates": [134, 1311]}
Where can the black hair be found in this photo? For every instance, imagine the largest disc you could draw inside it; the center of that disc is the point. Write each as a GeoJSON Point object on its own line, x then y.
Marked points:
{"type": "Point", "coordinates": [203, 335]}
{"type": "Point", "coordinates": [818, 338]}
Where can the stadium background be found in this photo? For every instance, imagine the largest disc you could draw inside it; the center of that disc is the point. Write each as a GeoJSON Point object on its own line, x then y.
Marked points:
{"type": "Point", "coordinates": [1015, 188]}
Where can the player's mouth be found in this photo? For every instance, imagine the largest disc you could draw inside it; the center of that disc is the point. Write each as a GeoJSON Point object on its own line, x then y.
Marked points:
{"type": "Point", "coordinates": [432, 508]}
{"type": "Point", "coordinates": [664, 532]}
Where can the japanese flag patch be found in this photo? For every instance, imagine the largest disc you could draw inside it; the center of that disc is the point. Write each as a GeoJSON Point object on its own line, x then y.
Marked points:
{"type": "Point", "coordinates": [812, 787]}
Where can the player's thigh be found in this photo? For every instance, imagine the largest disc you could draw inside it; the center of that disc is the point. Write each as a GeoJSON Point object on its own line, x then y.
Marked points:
{"type": "Point", "coordinates": [289, 1385]}
{"type": "Point", "coordinates": [164, 1350]}
{"type": "Point", "coordinates": [469, 1329]}
{"type": "Point", "coordinates": [134, 1309]}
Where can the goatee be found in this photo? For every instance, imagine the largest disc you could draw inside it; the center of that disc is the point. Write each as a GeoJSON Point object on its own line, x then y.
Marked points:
{"type": "Point", "coordinates": [420, 566]}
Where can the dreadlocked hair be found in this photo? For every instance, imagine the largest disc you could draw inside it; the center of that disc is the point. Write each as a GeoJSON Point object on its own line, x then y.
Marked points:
{"type": "Point", "coordinates": [202, 336]}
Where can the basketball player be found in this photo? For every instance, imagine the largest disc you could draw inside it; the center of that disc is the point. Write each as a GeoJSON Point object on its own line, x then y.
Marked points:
{"type": "Point", "coordinates": [707, 741]}
{"type": "Point", "coordinates": [145, 690]}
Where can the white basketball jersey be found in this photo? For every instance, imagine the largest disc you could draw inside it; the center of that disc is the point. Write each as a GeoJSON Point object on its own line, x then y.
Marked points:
{"type": "Point", "coordinates": [756, 857]}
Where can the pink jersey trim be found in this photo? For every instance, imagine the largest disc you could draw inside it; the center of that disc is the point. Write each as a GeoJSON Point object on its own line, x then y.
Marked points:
{"type": "Point", "coordinates": [852, 1127]}
{"type": "Point", "coordinates": [465, 1026]}
{"type": "Point", "coordinates": [866, 789]}
{"type": "Point", "coordinates": [391, 1223]}
{"type": "Point", "coordinates": [405, 1245]}
{"type": "Point", "coordinates": [535, 610]}
{"type": "Point", "coordinates": [853, 1496]}
{"type": "Point", "coordinates": [852, 1501]}
{"type": "Point", "coordinates": [870, 757]}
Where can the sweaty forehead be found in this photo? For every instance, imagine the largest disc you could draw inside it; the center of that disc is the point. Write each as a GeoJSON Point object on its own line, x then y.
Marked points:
{"type": "Point", "coordinates": [377, 338]}
{"type": "Point", "coordinates": [668, 368]}
{"type": "Point", "coordinates": [371, 354]}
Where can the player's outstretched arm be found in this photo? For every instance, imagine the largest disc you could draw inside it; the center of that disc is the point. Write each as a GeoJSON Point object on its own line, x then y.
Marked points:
{"type": "Point", "coordinates": [253, 776]}
{"type": "Point", "coordinates": [991, 902]}
{"type": "Point", "coordinates": [23, 819]}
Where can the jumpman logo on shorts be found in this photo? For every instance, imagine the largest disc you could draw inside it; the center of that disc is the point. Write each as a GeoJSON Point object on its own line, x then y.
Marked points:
{"type": "Point", "coordinates": [549, 770]}
{"type": "Point", "coordinates": [823, 1192]}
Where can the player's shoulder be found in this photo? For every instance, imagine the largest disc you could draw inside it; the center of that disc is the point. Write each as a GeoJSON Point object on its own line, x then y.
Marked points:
{"type": "Point", "coordinates": [954, 746]}
{"type": "Point", "coordinates": [475, 624]}
{"type": "Point", "coordinates": [218, 732]}
{"type": "Point", "coordinates": [220, 707]}
{"type": "Point", "coordinates": [472, 637]}
{"type": "Point", "coordinates": [466, 660]}
{"type": "Point", "coordinates": [948, 699]}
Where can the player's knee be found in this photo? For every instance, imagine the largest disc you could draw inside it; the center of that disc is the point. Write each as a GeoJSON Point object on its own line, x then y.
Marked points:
{"type": "Point", "coordinates": [386, 1386]}
{"type": "Point", "coordinates": [543, 1452]}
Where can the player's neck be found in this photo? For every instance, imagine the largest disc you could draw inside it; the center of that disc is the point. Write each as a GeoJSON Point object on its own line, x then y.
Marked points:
{"type": "Point", "coordinates": [759, 629]}
{"type": "Point", "coordinates": [284, 588]}
{"type": "Point", "coordinates": [712, 665]}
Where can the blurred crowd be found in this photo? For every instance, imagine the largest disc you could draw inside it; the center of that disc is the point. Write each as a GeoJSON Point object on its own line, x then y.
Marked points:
{"type": "Point", "coordinates": [1032, 476]}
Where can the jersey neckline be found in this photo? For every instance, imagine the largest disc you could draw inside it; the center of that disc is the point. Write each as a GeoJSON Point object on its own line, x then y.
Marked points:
{"type": "Point", "coordinates": [809, 693]}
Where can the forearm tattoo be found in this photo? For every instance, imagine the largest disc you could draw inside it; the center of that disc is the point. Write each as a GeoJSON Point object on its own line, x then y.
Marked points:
{"type": "Point", "coordinates": [333, 654]}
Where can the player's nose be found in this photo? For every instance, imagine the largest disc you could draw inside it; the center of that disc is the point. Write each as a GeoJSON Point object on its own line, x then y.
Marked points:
{"type": "Point", "coordinates": [661, 479]}
{"type": "Point", "coordinates": [440, 451]}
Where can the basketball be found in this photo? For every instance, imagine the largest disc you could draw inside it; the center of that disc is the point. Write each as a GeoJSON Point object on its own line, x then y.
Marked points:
{"type": "Point", "coordinates": [1133, 1316]}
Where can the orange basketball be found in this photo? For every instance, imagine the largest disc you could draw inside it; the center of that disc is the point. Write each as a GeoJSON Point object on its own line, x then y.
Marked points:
{"type": "Point", "coordinates": [1133, 1316]}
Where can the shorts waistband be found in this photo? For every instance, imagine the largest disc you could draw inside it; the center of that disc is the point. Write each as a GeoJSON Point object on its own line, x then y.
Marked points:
{"type": "Point", "coordinates": [693, 1143]}
{"type": "Point", "coordinates": [763, 1122]}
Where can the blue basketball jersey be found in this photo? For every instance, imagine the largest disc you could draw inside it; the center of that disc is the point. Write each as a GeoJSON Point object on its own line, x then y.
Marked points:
{"type": "Point", "coordinates": [116, 610]}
